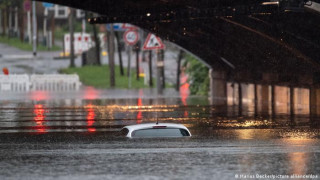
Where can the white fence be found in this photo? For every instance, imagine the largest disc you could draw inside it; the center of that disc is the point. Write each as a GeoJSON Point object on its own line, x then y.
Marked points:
{"type": "Point", "coordinates": [54, 82]}
{"type": "Point", "coordinates": [16, 83]}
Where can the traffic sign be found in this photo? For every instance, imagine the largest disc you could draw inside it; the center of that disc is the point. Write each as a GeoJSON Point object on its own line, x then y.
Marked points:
{"type": "Point", "coordinates": [27, 5]}
{"type": "Point", "coordinates": [131, 37]}
{"type": "Point", "coordinates": [153, 42]}
{"type": "Point", "coordinates": [47, 5]}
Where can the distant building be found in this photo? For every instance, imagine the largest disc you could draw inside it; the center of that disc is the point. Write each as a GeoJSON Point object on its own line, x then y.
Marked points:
{"type": "Point", "coordinates": [61, 12]}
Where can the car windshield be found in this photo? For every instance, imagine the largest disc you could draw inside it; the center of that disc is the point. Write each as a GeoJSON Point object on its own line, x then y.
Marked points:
{"type": "Point", "coordinates": [167, 132]}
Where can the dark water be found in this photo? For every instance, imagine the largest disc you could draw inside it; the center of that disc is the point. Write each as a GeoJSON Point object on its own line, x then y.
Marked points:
{"type": "Point", "coordinates": [71, 139]}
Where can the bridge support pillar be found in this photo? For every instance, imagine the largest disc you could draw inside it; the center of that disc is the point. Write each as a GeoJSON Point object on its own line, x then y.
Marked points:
{"type": "Point", "coordinates": [264, 100]}
{"type": "Point", "coordinates": [292, 113]}
{"type": "Point", "coordinates": [315, 105]}
{"type": "Point", "coordinates": [218, 87]}
{"type": "Point", "coordinates": [240, 100]}
{"type": "Point", "coordinates": [273, 102]}
{"type": "Point", "coordinates": [256, 100]}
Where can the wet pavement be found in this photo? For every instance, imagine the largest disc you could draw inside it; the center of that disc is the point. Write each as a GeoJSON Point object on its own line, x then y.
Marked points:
{"type": "Point", "coordinates": [53, 136]}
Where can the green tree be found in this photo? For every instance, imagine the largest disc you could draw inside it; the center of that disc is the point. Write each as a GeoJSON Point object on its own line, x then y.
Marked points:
{"type": "Point", "coordinates": [198, 76]}
{"type": "Point", "coordinates": [5, 6]}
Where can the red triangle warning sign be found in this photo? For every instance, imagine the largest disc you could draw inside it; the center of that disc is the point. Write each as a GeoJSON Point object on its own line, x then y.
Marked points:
{"type": "Point", "coordinates": [153, 42]}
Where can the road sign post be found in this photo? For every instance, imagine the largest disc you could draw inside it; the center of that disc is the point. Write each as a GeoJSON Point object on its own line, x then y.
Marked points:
{"type": "Point", "coordinates": [150, 69]}
{"type": "Point", "coordinates": [111, 57]}
{"type": "Point", "coordinates": [131, 37]}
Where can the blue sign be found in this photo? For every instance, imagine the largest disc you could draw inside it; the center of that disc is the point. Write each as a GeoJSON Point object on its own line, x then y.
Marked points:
{"type": "Point", "coordinates": [47, 5]}
{"type": "Point", "coordinates": [116, 27]}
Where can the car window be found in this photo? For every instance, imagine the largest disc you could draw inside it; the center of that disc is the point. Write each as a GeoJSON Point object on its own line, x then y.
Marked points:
{"type": "Point", "coordinates": [166, 132]}
{"type": "Point", "coordinates": [123, 132]}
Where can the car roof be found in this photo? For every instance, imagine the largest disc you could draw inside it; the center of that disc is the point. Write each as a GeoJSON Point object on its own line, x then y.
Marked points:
{"type": "Point", "coordinates": [151, 125]}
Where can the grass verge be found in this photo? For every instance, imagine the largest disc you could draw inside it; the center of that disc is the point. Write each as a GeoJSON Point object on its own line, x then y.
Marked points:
{"type": "Point", "coordinates": [16, 42]}
{"type": "Point", "coordinates": [99, 77]}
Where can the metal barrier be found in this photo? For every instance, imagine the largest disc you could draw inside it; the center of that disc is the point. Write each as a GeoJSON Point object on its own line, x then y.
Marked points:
{"type": "Point", "coordinates": [54, 82]}
{"type": "Point", "coordinates": [15, 83]}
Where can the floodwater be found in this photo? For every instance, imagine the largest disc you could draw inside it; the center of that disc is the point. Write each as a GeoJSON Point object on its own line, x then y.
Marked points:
{"type": "Point", "coordinates": [74, 138]}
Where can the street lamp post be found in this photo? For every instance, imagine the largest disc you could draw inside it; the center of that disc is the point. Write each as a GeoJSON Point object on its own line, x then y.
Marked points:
{"type": "Point", "coordinates": [34, 28]}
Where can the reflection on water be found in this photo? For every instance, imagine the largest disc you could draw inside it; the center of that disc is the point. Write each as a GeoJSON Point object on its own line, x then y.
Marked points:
{"type": "Point", "coordinates": [91, 93]}
{"type": "Point", "coordinates": [105, 115]}
{"type": "Point", "coordinates": [224, 141]}
{"type": "Point", "coordinates": [90, 117]}
{"type": "Point", "coordinates": [139, 104]}
{"type": "Point", "coordinates": [39, 95]}
{"type": "Point", "coordinates": [184, 92]}
{"type": "Point", "coordinates": [42, 113]}
{"type": "Point", "coordinates": [298, 162]}
{"type": "Point", "coordinates": [299, 159]}
{"type": "Point", "coordinates": [39, 118]}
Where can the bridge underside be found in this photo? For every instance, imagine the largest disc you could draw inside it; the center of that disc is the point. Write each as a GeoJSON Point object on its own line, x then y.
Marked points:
{"type": "Point", "coordinates": [246, 40]}
{"type": "Point", "coordinates": [285, 46]}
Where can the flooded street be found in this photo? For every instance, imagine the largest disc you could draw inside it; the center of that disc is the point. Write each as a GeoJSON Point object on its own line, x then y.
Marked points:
{"type": "Point", "coordinates": [50, 136]}
{"type": "Point", "coordinates": [164, 89]}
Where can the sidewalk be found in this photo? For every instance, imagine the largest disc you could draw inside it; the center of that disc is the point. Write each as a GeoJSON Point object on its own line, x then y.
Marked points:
{"type": "Point", "coordinates": [22, 62]}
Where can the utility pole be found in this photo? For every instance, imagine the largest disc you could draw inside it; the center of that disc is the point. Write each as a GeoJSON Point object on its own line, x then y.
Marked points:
{"type": "Point", "coordinates": [45, 25]}
{"type": "Point", "coordinates": [52, 29]}
{"type": "Point", "coordinates": [97, 43]}
{"type": "Point", "coordinates": [16, 21]}
{"type": "Point", "coordinates": [21, 25]}
{"type": "Point", "coordinates": [111, 57]}
{"type": "Point", "coordinates": [137, 49]}
{"type": "Point", "coordinates": [160, 65]}
{"type": "Point", "coordinates": [5, 22]}
{"type": "Point", "coordinates": [162, 69]}
{"type": "Point", "coordinates": [10, 22]}
{"type": "Point", "coordinates": [1, 26]}
{"type": "Point", "coordinates": [29, 26]}
{"type": "Point", "coordinates": [119, 53]}
{"type": "Point", "coordinates": [34, 29]}
{"type": "Point", "coordinates": [83, 27]}
{"type": "Point", "coordinates": [71, 28]}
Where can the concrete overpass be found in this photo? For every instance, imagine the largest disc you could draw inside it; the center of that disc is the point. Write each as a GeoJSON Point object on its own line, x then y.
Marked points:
{"type": "Point", "coordinates": [267, 44]}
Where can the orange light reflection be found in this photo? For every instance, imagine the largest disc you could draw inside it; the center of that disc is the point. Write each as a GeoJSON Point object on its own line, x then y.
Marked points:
{"type": "Point", "coordinates": [184, 91]}
{"type": "Point", "coordinates": [139, 115]}
{"type": "Point", "coordinates": [91, 93]}
{"type": "Point", "coordinates": [90, 118]}
{"type": "Point", "coordinates": [39, 118]}
{"type": "Point", "coordinates": [40, 95]}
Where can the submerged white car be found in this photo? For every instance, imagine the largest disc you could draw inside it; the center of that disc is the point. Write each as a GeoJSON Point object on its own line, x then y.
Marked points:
{"type": "Point", "coordinates": [151, 130]}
